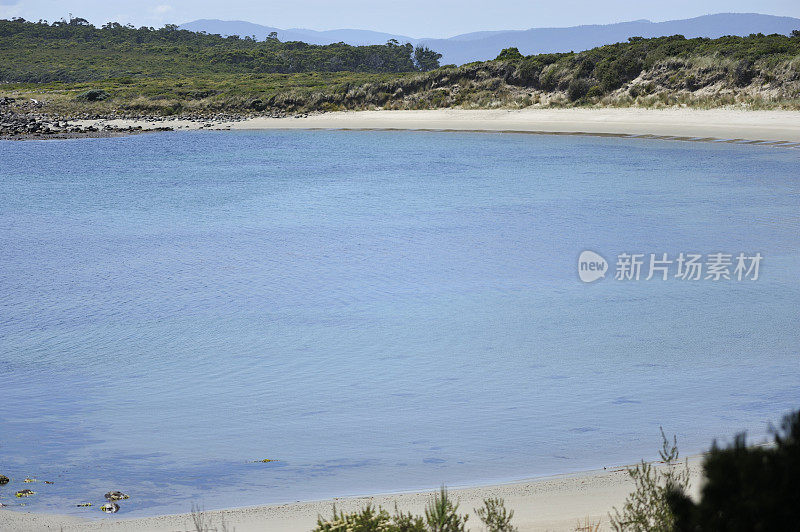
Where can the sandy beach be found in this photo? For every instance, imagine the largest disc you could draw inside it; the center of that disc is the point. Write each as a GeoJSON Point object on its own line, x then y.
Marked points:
{"type": "Point", "coordinates": [546, 504]}
{"type": "Point", "coordinates": [678, 124]}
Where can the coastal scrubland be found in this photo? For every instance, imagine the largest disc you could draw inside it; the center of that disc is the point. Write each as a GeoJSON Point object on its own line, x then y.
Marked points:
{"type": "Point", "coordinates": [77, 70]}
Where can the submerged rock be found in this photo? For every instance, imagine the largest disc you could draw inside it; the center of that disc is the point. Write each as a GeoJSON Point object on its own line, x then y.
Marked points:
{"type": "Point", "coordinates": [264, 461]}
{"type": "Point", "coordinates": [4, 480]}
{"type": "Point", "coordinates": [84, 505]}
{"type": "Point", "coordinates": [25, 493]}
{"type": "Point", "coordinates": [116, 496]}
{"type": "Point", "coordinates": [29, 480]}
{"type": "Point", "coordinates": [110, 507]}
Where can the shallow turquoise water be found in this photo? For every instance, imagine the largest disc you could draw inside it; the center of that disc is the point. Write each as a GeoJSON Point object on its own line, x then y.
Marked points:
{"type": "Point", "coordinates": [378, 311]}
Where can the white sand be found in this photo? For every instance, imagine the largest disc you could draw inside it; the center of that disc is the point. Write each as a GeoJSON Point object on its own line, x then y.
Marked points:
{"type": "Point", "coordinates": [715, 123]}
{"type": "Point", "coordinates": [553, 503]}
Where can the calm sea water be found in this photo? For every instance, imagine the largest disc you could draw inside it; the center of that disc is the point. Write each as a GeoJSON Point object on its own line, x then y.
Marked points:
{"type": "Point", "coordinates": [378, 311]}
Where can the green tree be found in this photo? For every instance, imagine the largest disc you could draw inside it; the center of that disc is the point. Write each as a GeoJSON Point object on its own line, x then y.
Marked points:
{"type": "Point", "coordinates": [509, 54]}
{"type": "Point", "coordinates": [426, 59]}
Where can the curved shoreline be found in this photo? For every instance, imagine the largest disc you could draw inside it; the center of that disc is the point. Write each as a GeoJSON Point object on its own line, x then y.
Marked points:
{"type": "Point", "coordinates": [779, 128]}
{"type": "Point", "coordinates": [553, 503]}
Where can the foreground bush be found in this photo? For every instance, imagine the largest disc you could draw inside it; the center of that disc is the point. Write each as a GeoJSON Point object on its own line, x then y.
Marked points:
{"type": "Point", "coordinates": [441, 515]}
{"type": "Point", "coordinates": [747, 488]}
{"type": "Point", "coordinates": [647, 509]}
{"type": "Point", "coordinates": [367, 520]}
{"type": "Point", "coordinates": [495, 517]}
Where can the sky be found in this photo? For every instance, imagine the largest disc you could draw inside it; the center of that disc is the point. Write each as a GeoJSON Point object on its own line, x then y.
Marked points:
{"type": "Point", "coordinates": [413, 18]}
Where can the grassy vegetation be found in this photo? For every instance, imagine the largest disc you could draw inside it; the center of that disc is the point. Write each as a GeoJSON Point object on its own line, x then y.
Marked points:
{"type": "Point", "coordinates": [202, 95]}
{"type": "Point", "coordinates": [176, 72]}
{"type": "Point", "coordinates": [441, 515]}
{"type": "Point", "coordinates": [647, 508]}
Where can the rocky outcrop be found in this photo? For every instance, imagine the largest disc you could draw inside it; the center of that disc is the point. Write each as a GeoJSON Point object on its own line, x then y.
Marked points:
{"type": "Point", "coordinates": [26, 120]}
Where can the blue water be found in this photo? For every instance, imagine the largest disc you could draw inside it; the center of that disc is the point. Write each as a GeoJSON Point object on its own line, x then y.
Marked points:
{"type": "Point", "coordinates": [378, 311]}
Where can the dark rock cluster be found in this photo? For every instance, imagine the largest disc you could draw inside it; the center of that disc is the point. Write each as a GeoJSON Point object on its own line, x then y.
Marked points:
{"type": "Point", "coordinates": [25, 120]}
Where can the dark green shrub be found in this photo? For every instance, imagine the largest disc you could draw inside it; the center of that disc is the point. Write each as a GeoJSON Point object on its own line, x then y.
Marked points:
{"type": "Point", "coordinates": [594, 92]}
{"type": "Point", "coordinates": [743, 74]}
{"type": "Point", "coordinates": [509, 54]}
{"type": "Point", "coordinates": [548, 80]}
{"type": "Point", "coordinates": [746, 488]}
{"type": "Point", "coordinates": [527, 74]}
{"type": "Point", "coordinates": [93, 95]}
{"type": "Point", "coordinates": [578, 88]}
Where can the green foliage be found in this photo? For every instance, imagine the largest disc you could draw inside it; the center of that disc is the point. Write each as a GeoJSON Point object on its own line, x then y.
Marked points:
{"type": "Point", "coordinates": [747, 488]}
{"type": "Point", "coordinates": [612, 66]}
{"type": "Point", "coordinates": [172, 72]}
{"type": "Point", "coordinates": [647, 508]}
{"type": "Point", "coordinates": [93, 95]}
{"type": "Point", "coordinates": [368, 519]}
{"type": "Point", "coordinates": [743, 74]}
{"type": "Point", "coordinates": [495, 517]}
{"type": "Point", "coordinates": [578, 88]}
{"type": "Point", "coordinates": [509, 54]}
{"type": "Point", "coordinates": [594, 92]}
{"type": "Point", "coordinates": [407, 522]}
{"type": "Point", "coordinates": [41, 52]}
{"type": "Point", "coordinates": [442, 515]}
{"type": "Point", "coordinates": [426, 59]}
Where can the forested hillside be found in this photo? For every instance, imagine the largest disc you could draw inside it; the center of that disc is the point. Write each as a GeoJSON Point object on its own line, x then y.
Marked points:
{"type": "Point", "coordinates": [76, 51]}
{"type": "Point", "coordinates": [78, 70]}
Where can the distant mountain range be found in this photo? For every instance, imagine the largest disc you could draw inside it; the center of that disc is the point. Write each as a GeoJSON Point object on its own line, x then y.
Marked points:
{"type": "Point", "coordinates": [482, 45]}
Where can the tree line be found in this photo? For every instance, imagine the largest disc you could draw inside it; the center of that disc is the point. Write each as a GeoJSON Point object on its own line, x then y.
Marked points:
{"type": "Point", "coordinates": [75, 50]}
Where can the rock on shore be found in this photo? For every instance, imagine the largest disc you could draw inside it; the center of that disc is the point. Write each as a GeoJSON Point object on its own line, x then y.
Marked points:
{"type": "Point", "coordinates": [25, 120]}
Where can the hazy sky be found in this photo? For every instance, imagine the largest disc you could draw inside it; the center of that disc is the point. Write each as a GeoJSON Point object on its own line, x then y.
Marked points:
{"type": "Point", "coordinates": [415, 18]}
